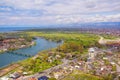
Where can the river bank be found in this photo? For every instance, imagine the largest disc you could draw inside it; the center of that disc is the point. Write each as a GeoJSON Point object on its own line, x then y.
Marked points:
{"type": "Point", "coordinates": [14, 44]}
{"type": "Point", "coordinates": [8, 68]}
{"type": "Point", "coordinates": [18, 66]}
{"type": "Point", "coordinates": [41, 44]}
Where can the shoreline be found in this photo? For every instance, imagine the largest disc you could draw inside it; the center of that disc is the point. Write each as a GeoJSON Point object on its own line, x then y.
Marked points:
{"type": "Point", "coordinates": [7, 68]}
{"type": "Point", "coordinates": [26, 46]}
{"type": "Point", "coordinates": [4, 70]}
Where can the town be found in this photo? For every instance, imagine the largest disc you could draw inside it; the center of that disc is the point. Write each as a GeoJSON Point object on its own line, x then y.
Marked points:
{"type": "Point", "coordinates": [8, 44]}
{"type": "Point", "coordinates": [59, 39]}
{"type": "Point", "coordinates": [100, 62]}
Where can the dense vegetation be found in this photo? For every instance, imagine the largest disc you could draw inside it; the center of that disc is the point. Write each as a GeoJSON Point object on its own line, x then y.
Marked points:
{"type": "Point", "coordinates": [44, 61]}
{"type": "Point", "coordinates": [15, 35]}
{"type": "Point", "coordinates": [73, 42]}
{"type": "Point", "coordinates": [108, 36]}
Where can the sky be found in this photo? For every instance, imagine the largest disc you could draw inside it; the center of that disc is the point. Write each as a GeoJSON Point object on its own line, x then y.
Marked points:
{"type": "Point", "coordinates": [50, 12]}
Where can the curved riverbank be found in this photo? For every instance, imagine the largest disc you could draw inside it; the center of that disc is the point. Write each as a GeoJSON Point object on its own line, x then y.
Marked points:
{"type": "Point", "coordinates": [22, 46]}
{"type": "Point", "coordinates": [12, 66]}
{"type": "Point", "coordinates": [41, 44]}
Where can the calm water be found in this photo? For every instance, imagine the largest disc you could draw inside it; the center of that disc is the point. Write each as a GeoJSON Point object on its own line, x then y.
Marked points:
{"type": "Point", "coordinates": [41, 44]}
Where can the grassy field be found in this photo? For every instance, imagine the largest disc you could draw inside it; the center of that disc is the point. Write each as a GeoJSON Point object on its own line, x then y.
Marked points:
{"type": "Point", "coordinates": [78, 75]}
{"type": "Point", "coordinates": [77, 39]}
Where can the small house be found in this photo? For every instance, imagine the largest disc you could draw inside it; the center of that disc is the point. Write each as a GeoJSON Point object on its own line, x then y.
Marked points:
{"type": "Point", "coordinates": [32, 78]}
{"type": "Point", "coordinates": [15, 75]}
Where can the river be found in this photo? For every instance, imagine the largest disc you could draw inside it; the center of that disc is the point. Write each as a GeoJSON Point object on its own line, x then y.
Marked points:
{"type": "Point", "coordinates": [41, 44]}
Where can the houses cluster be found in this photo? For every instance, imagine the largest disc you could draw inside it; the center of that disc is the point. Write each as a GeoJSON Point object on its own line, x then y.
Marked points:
{"type": "Point", "coordinates": [57, 72]}
{"type": "Point", "coordinates": [22, 76]}
{"type": "Point", "coordinates": [65, 69]}
{"type": "Point", "coordinates": [7, 44]}
{"type": "Point", "coordinates": [98, 63]}
{"type": "Point", "coordinates": [114, 32]}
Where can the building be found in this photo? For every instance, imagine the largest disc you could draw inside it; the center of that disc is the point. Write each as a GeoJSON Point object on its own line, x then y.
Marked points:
{"type": "Point", "coordinates": [15, 75]}
{"type": "Point", "coordinates": [4, 78]}
{"type": "Point", "coordinates": [43, 78]}
{"type": "Point", "coordinates": [32, 78]}
{"type": "Point", "coordinates": [92, 53]}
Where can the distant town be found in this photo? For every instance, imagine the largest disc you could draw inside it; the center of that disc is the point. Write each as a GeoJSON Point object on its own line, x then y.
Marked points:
{"type": "Point", "coordinates": [13, 43]}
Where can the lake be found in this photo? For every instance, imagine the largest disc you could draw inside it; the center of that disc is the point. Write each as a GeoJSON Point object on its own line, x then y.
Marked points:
{"type": "Point", "coordinates": [41, 44]}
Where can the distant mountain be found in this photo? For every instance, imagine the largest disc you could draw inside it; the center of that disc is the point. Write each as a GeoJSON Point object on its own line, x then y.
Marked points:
{"type": "Point", "coordinates": [113, 25]}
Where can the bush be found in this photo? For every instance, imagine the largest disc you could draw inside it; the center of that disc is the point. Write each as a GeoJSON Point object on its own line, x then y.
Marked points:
{"type": "Point", "coordinates": [52, 79]}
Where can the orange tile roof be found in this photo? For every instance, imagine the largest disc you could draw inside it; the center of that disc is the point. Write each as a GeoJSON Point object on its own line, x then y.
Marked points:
{"type": "Point", "coordinates": [32, 78]}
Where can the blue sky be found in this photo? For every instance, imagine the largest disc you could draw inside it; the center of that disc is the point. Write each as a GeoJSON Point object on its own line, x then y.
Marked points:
{"type": "Point", "coordinates": [47, 12]}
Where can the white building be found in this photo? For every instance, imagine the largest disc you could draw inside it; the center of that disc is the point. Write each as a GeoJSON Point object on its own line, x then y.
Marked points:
{"type": "Point", "coordinates": [92, 53]}
{"type": "Point", "coordinates": [4, 78]}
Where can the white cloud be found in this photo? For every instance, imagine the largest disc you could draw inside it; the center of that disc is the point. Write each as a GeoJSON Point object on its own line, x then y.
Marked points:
{"type": "Point", "coordinates": [86, 18]}
{"type": "Point", "coordinates": [58, 12]}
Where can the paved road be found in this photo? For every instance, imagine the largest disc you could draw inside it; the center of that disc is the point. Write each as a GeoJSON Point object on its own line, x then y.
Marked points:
{"type": "Point", "coordinates": [104, 41]}
{"type": "Point", "coordinates": [101, 40]}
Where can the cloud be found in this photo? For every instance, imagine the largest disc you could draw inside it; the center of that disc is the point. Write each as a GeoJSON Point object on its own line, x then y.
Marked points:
{"type": "Point", "coordinates": [39, 12]}
{"type": "Point", "coordinates": [88, 18]}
